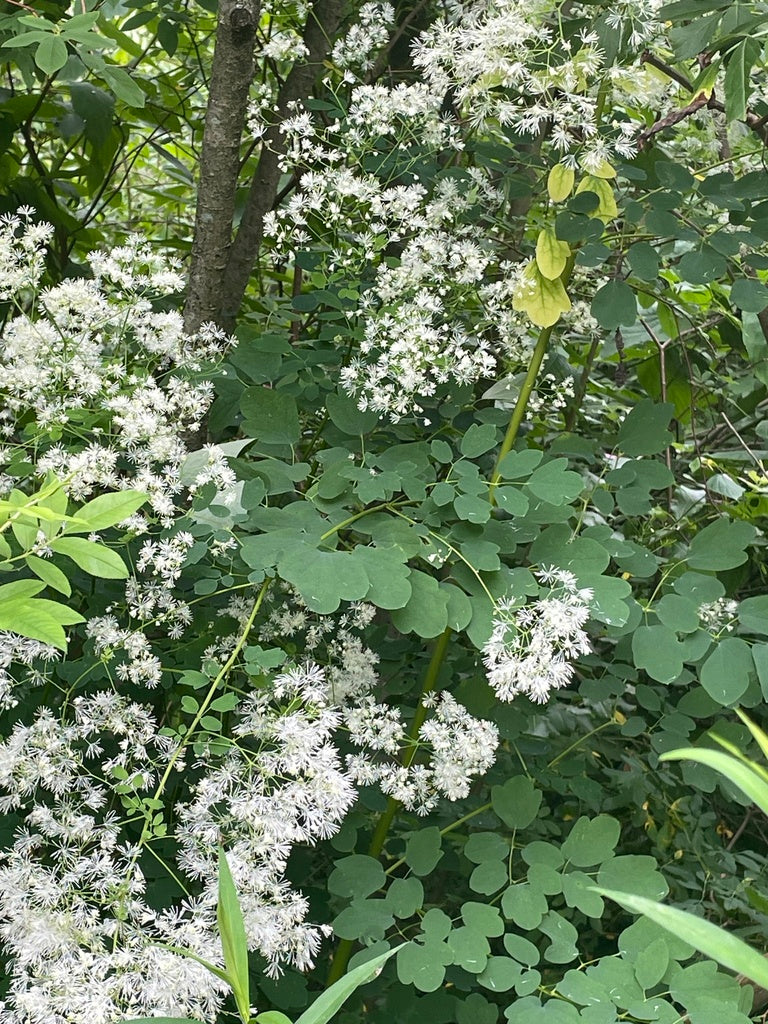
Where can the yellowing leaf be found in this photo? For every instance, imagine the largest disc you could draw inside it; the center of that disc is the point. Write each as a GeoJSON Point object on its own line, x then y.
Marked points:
{"type": "Point", "coordinates": [560, 183]}
{"type": "Point", "coordinates": [542, 300]}
{"type": "Point", "coordinates": [551, 254]}
{"type": "Point", "coordinates": [607, 208]}
{"type": "Point", "coordinates": [603, 170]}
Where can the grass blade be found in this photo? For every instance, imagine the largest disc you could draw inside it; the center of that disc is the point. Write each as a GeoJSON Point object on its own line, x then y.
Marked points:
{"type": "Point", "coordinates": [714, 942]}
{"type": "Point", "coordinates": [233, 941]}
{"type": "Point", "coordinates": [331, 1001]}
{"type": "Point", "coordinates": [736, 771]}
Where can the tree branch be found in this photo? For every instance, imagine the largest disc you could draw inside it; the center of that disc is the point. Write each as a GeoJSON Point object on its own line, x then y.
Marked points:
{"type": "Point", "coordinates": [231, 76]}
{"type": "Point", "coordinates": [322, 24]}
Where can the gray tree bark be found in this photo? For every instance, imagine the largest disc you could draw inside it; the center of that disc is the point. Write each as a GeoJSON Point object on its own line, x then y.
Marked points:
{"type": "Point", "coordinates": [322, 25]}
{"type": "Point", "coordinates": [231, 77]}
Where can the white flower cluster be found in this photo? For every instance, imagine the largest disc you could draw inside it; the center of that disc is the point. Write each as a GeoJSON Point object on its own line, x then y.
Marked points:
{"type": "Point", "coordinates": [335, 640]}
{"type": "Point", "coordinates": [508, 69]}
{"type": "Point", "coordinates": [99, 347]}
{"type": "Point", "coordinates": [530, 649]}
{"type": "Point", "coordinates": [81, 936]}
{"type": "Point", "coordinates": [639, 18]}
{"type": "Point", "coordinates": [20, 650]}
{"type": "Point", "coordinates": [282, 784]}
{"type": "Point", "coordinates": [357, 49]}
{"type": "Point", "coordinates": [719, 616]}
{"type": "Point", "coordinates": [459, 748]}
{"type": "Point", "coordinates": [23, 245]}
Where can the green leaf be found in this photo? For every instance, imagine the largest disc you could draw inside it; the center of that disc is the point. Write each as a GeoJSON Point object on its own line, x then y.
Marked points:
{"type": "Point", "coordinates": [721, 545]}
{"type": "Point", "coordinates": [272, 1017]}
{"type": "Point", "coordinates": [364, 920]}
{"type": "Point", "coordinates": [107, 510]}
{"type": "Point", "coordinates": [636, 873]}
{"type": "Point", "coordinates": [657, 651]}
{"type": "Point", "coordinates": [740, 773]}
{"type": "Point", "coordinates": [423, 850]}
{"type": "Point", "coordinates": [345, 414]}
{"type": "Point", "coordinates": [123, 86]}
{"type": "Point", "coordinates": [233, 941]}
{"type": "Point", "coordinates": [390, 586]}
{"type": "Point", "coordinates": [500, 974]}
{"type": "Point", "coordinates": [714, 942]}
{"type": "Point", "coordinates": [270, 416]}
{"type": "Point", "coordinates": [405, 896]}
{"type": "Point", "coordinates": [753, 615]}
{"type": "Point", "coordinates": [516, 802]}
{"type": "Point", "coordinates": [543, 300]}
{"type": "Point", "coordinates": [749, 295]}
{"type": "Point", "coordinates": [356, 876]}
{"type": "Point", "coordinates": [737, 71]}
{"type": "Point", "coordinates": [678, 613]}
{"type": "Point", "coordinates": [725, 675]}
{"type": "Point", "coordinates": [324, 578]}
{"type": "Point", "coordinates": [524, 904]}
{"type": "Point", "coordinates": [479, 438]}
{"type": "Point", "coordinates": [49, 573]}
{"type": "Point", "coordinates": [614, 304]}
{"type": "Point", "coordinates": [555, 483]}
{"type": "Point", "coordinates": [606, 209]}
{"type": "Point", "coordinates": [161, 1020]}
{"type": "Point", "coordinates": [92, 557]}
{"type": "Point", "coordinates": [38, 619]}
{"type": "Point", "coordinates": [644, 261]}
{"type": "Point", "coordinates": [51, 54]}
{"type": "Point", "coordinates": [644, 430]}
{"type": "Point", "coordinates": [330, 1002]}
{"type": "Point", "coordinates": [19, 589]}
{"type": "Point", "coordinates": [426, 612]}
{"type": "Point", "coordinates": [591, 841]}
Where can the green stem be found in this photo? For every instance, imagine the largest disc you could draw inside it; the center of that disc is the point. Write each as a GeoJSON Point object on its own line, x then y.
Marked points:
{"type": "Point", "coordinates": [380, 833]}
{"type": "Point", "coordinates": [518, 413]}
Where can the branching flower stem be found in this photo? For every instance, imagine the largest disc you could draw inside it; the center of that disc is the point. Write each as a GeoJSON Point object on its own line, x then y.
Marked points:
{"type": "Point", "coordinates": [344, 949]}
{"type": "Point", "coordinates": [209, 697]}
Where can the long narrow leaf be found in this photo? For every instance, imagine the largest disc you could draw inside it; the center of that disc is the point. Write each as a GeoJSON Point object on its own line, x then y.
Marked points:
{"type": "Point", "coordinates": [233, 940]}
{"type": "Point", "coordinates": [740, 774]}
{"type": "Point", "coordinates": [734, 751]}
{"type": "Point", "coordinates": [331, 1001]}
{"type": "Point", "coordinates": [161, 1020]}
{"type": "Point", "coordinates": [714, 942]}
{"type": "Point", "coordinates": [757, 732]}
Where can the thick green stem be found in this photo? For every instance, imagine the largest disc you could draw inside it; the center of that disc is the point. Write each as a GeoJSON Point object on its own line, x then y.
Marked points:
{"type": "Point", "coordinates": [380, 833]}
{"type": "Point", "coordinates": [518, 413]}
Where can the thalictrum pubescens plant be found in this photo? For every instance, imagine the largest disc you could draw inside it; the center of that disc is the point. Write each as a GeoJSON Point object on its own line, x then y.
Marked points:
{"type": "Point", "coordinates": [235, 972]}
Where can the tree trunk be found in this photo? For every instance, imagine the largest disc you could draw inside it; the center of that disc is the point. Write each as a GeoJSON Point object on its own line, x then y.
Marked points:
{"type": "Point", "coordinates": [231, 77]}
{"type": "Point", "coordinates": [322, 25]}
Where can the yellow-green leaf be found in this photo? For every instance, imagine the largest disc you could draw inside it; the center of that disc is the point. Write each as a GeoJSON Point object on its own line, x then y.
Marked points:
{"type": "Point", "coordinates": [551, 254]}
{"type": "Point", "coordinates": [603, 170]}
{"type": "Point", "coordinates": [50, 574]}
{"type": "Point", "coordinates": [92, 557]}
{"type": "Point", "coordinates": [544, 301]}
{"type": "Point", "coordinates": [560, 182]}
{"type": "Point", "coordinates": [607, 208]}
